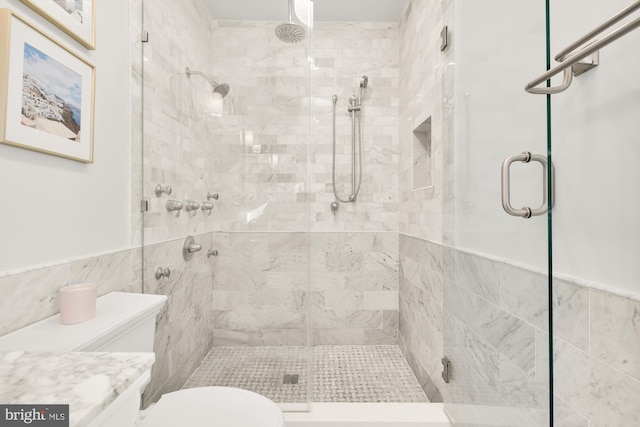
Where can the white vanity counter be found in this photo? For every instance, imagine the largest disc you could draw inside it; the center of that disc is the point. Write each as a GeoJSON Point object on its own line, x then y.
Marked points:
{"type": "Point", "coordinates": [87, 382]}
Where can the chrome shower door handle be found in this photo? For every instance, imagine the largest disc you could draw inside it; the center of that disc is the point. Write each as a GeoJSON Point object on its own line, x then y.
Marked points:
{"type": "Point", "coordinates": [525, 212]}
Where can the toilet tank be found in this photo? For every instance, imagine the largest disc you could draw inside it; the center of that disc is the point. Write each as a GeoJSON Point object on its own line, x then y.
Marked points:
{"type": "Point", "coordinates": [124, 322]}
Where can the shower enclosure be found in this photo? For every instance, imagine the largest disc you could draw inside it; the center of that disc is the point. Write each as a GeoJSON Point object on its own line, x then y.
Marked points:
{"type": "Point", "coordinates": [272, 272]}
{"type": "Point", "coordinates": [496, 258]}
{"type": "Point", "coordinates": [240, 184]}
{"type": "Point", "coordinates": [444, 263]}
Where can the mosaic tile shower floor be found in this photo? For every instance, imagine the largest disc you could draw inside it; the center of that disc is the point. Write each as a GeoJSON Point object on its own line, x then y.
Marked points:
{"type": "Point", "coordinates": [341, 373]}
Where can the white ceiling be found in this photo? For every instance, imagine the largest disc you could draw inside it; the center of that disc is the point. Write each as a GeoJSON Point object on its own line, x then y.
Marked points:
{"type": "Point", "coordinates": [324, 10]}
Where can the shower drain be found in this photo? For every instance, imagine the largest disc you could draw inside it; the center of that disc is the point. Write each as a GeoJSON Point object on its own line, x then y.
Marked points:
{"type": "Point", "coordinates": [290, 379]}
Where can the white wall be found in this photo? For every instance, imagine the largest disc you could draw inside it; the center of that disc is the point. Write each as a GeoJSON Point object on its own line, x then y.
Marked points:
{"type": "Point", "coordinates": [53, 208]}
{"type": "Point", "coordinates": [596, 148]}
{"type": "Point", "coordinates": [500, 46]}
{"type": "Point", "coordinates": [595, 141]}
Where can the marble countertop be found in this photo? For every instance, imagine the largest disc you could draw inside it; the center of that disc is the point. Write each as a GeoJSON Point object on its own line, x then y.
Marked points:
{"type": "Point", "coordinates": [88, 382]}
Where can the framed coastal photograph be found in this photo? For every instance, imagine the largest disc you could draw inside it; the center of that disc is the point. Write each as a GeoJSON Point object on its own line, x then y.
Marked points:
{"type": "Point", "coordinates": [77, 18]}
{"type": "Point", "coordinates": [46, 92]}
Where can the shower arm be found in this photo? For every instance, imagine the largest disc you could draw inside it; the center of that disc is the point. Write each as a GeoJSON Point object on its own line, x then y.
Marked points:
{"type": "Point", "coordinates": [212, 82]}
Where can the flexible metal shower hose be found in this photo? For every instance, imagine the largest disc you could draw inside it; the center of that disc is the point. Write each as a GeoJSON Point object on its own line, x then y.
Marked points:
{"type": "Point", "coordinates": [356, 124]}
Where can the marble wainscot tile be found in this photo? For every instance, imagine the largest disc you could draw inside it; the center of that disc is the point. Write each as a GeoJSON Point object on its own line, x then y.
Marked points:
{"type": "Point", "coordinates": [371, 319]}
{"type": "Point", "coordinates": [520, 389]}
{"type": "Point", "coordinates": [87, 382]}
{"type": "Point", "coordinates": [380, 300]}
{"type": "Point", "coordinates": [525, 294]}
{"type": "Point", "coordinates": [615, 332]}
{"type": "Point", "coordinates": [572, 376]}
{"type": "Point", "coordinates": [512, 337]}
{"type": "Point", "coordinates": [183, 327]}
{"type": "Point", "coordinates": [421, 315]}
{"type": "Point", "coordinates": [111, 272]}
{"type": "Point", "coordinates": [566, 416]}
{"type": "Point", "coordinates": [613, 397]}
{"type": "Point", "coordinates": [571, 313]}
{"type": "Point", "coordinates": [431, 295]}
{"type": "Point", "coordinates": [480, 275]}
{"type": "Point", "coordinates": [37, 292]}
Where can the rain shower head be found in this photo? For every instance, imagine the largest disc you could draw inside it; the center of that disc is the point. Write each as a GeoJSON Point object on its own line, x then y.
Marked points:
{"type": "Point", "coordinates": [223, 89]}
{"type": "Point", "coordinates": [290, 32]}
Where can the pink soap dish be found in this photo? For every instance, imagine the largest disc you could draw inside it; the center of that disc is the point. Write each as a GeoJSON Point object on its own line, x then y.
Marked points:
{"type": "Point", "coordinates": [77, 303]}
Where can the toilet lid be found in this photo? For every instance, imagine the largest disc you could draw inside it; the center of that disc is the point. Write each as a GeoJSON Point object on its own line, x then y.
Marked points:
{"type": "Point", "coordinates": [214, 406]}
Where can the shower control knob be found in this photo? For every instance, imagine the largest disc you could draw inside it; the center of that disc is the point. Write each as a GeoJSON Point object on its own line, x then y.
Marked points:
{"type": "Point", "coordinates": [189, 248]}
{"type": "Point", "coordinates": [206, 207]}
{"type": "Point", "coordinates": [191, 206]}
{"type": "Point", "coordinates": [162, 272]}
{"type": "Point", "coordinates": [160, 190]}
{"type": "Point", "coordinates": [214, 196]}
{"type": "Point", "coordinates": [194, 247]}
{"type": "Point", "coordinates": [212, 252]}
{"type": "Point", "coordinates": [174, 205]}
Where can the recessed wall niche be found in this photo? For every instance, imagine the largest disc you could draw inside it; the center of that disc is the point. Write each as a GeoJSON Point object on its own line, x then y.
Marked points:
{"type": "Point", "coordinates": [422, 167]}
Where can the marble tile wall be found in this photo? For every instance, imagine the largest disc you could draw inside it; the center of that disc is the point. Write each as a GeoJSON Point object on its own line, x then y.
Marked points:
{"type": "Point", "coordinates": [343, 53]}
{"type": "Point", "coordinates": [137, 121]}
{"type": "Point", "coordinates": [259, 148]}
{"type": "Point", "coordinates": [183, 328]}
{"type": "Point", "coordinates": [490, 319]}
{"type": "Point", "coordinates": [176, 143]}
{"type": "Point", "coordinates": [36, 289]}
{"type": "Point", "coordinates": [273, 147]}
{"type": "Point", "coordinates": [261, 296]}
{"type": "Point", "coordinates": [354, 288]}
{"type": "Point", "coordinates": [258, 158]}
{"type": "Point", "coordinates": [421, 326]}
{"type": "Point", "coordinates": [171, 146]}
{"type": "Point", "coordinates": [260, 288]}
{"type": "Point", "coordinates": [421, 97]}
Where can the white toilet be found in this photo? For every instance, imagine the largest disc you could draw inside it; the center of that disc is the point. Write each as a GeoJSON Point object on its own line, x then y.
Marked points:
{"type": "Point", "coordinates": [214, 406]}
{"type": "Point", "coordinates": [125, 322]}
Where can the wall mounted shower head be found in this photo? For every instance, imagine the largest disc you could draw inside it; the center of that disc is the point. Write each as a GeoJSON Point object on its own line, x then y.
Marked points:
{"type": "Point", "coordinates": [223, 89]}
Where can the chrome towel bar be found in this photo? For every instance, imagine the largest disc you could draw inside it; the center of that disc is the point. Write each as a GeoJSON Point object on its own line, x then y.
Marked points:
{"type": "Point", "coordinates": [606, 25]}
{"type": "Point", "coordinates": [568, 61]}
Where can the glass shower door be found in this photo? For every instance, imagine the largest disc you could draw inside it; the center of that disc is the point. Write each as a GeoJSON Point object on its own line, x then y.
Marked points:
{"type": "Point", "coordinates": [224, 160]}
{"type": "Point", "coordinates": [495, 265]}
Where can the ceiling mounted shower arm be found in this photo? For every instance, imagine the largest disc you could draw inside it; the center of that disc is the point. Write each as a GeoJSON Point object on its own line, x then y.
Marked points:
{"type": "Point", "coordinates": [291, 6]}
{"type": "Point", "coordinates": [570, 60]}
{"type": "Point", "coordinates": [290, 32]}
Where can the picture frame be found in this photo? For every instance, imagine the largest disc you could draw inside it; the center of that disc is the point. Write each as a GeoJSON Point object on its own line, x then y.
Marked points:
{"type": "Point", "coordinates": [47, 92]}
{"type": "Point", "coordinates": [77, 18]}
